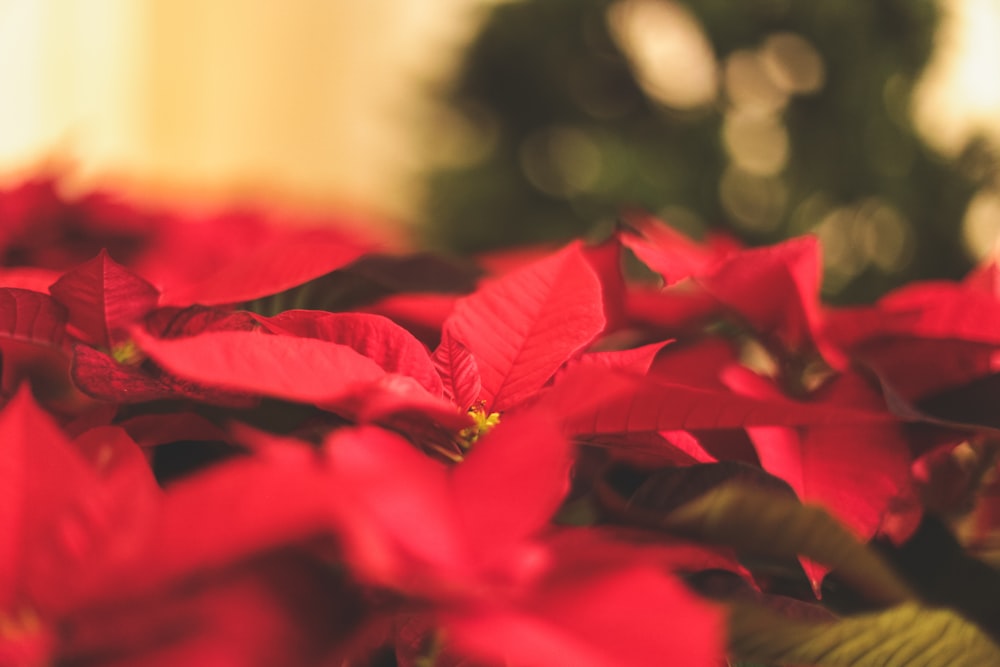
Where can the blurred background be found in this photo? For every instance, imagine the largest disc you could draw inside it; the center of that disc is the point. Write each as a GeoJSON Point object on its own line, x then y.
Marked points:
{"type": "Point", "coordinates": [476, 124]}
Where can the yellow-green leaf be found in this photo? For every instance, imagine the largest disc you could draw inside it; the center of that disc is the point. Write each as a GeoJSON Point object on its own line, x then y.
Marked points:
{"type": "Point", "coordinates": [761, 522]}
{"type": "Point", "coordinates": [909, 635]}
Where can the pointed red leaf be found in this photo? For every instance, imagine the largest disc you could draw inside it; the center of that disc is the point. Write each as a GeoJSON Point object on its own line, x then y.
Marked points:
{"type": "Point", "coordinates": [512, 482]}
{"type": "Point", "coordinates": [594, 401]}
{"type": "Point", "coordinates": [232, 512]}
{"type": "Point", "coordinates": [421, 314]}
{"type": "Point", "coordinates": [103, 299]}
{"type": "Point", "coordinates": [925, 310]}
{"type": "Point", "coordinates": [31, 317]}
{"type": "Point", "coordinates": [289, 260]}
{"type": "Point", "coordinates": [669, 252]}
{"type": "Point", "coordinates": [458, 371]}
{"type": "Point", "coordinates": [402, 518]}
{"type": "Point", "coordinates": [636, 360]}
{"type": "Point", "coordinates": [287, 367]}
{"type": "Point", "coordinates": [591, 621]}
{"type": "Point", "coordinates": [376, 337]}
{"type": "Point", "coordinates": [44, 483]}
{"type": "Point", "coordinates": [606, 260]}
{"type": "Point", "coordinates": [399, 401]}
{"type": "Point", "coordinates": [776, 289]}
{"type": "Point", "coordinates": [523, 326]}
{"type": "Point", "coordinates": [100, 376]}
{"type": "Point", "coordinates": [859, 472]}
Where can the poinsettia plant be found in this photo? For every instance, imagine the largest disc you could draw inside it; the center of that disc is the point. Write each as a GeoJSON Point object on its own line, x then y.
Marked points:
{"type": "Point", "coordinates": [229, 441]}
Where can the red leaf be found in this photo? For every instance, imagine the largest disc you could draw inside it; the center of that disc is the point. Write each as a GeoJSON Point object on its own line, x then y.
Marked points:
{"type": "Point", "coordinates": [591, 621]}
{"type": "Point", "coordinates": [39, 474]}
{"type": "Point", "coordinates": [31, 317]}
{"type": "Point", "coordinates": [286, 261]}
{"type": "Point", "coordinates": [98, 375]}
{"type": "Point", "coordinates": [859, 472]}
{"type": "Point", "coordinates": [637, 360]}
{"type": "Point", "coordinates": [66, 523]}
{"type": "Point", "coordinates": [523, 326]}
{"type": "Point", "coordinates": [512, 482]}
{"type": "Point", "coordinates": [232, 512]}
{"type": "Point", "coordinates": [776, 289]}
{"type": "Point", "coordinates": [458, 371]}
{"type": "Point", "coordinates": [28, 277]}
{"type": "Point", "coordinates": [32, 330]}
{"type": "Point", "coordinates": [296, 369]}
{"type": "Point", "coordinates": [919, 367]}
{"type": "Point", "coordinates": [421, 314]}
{"type": "Point", "coordinates": [376, 337]}
{"type": "Point", "coordinates": [668, 252]}
{"type": "Point", "coordinates": [183, 322]}
{"type": "Point", "coordinates": [680, 307]}
{"type": "Point", "coordinates": [398, 401]}
{"type": "Point", "coordinates": [160, 429]}
{"type": "Point", "coordinates": [925, 310]}
{"type": "Point", "coordinates": [606, 260]}
{"type": "Point", "coordinates": [401, 527]}
{"type": "Point", "coordinates": [594, 401]}
{"type": "Point", "coordinates": [103, 298]}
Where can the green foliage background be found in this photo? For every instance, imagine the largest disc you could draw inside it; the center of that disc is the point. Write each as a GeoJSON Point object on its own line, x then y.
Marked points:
{"type": "Point", "coordinates": [544, 65]}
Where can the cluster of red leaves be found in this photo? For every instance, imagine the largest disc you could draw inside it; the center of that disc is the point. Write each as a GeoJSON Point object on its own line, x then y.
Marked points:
{"type": "Point", "coordinates": [230, 443]}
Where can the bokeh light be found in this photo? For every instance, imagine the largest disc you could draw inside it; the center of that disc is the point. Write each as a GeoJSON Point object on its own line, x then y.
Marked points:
{"type": "Point", "coordinates": [672, 58]}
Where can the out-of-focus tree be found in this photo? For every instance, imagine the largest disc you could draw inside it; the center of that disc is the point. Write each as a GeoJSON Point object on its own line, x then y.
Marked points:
{"type": "Point", "coordinates": [766, 117]}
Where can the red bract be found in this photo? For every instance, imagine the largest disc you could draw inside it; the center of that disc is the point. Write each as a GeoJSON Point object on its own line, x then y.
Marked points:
{"type": "Point", "coordinates": [104, 299]}
{"type": "Point", "coordinates": [267, 266]}
{"type": "Point", "coordinates": [308, 370]}
{"type": "Point", "coordinates": [67, 521]}
{"type": "Point", "coordinates": [32, 339]}
{"type": "Point", "coordinates": [390, 346]}
{"type": "Point", "coordinates": [468, 540]}
{"type": "Point", "coordinates": [627, 403]}
{"type": "Point", "coordinates": [419, 518]}
{"type": "Point", "coordinates": [522, 327]}
{"type": "Point", "coordinates": [670, 253]}
{"type": "Point", "coordinates": [323, 486]}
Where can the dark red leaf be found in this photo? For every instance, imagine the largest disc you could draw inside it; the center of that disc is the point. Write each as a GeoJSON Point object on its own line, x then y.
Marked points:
{"type": "Point", "coordinates": [458, 371]}
{"type": "Point", "coordinates": [374, 336]}
{"type": "Point", "coordinates": [523, 326]}
{"type": "Point", "coordinates": [103, 299]}
{"type": "Point", "coordinates": [98, 375]}
{"type": "Point", "coordinates": [31, 317]}
{"type": "Point", "coordinates": [160, 429]}
{"type": "Point", "coordinates": [183, 322]}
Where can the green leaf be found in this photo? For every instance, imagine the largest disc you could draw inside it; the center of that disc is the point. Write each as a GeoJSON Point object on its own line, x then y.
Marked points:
{"type": "Point", "coordinates": [762, 522]}
{"type": "Point", "coordinates": [904, 636]}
